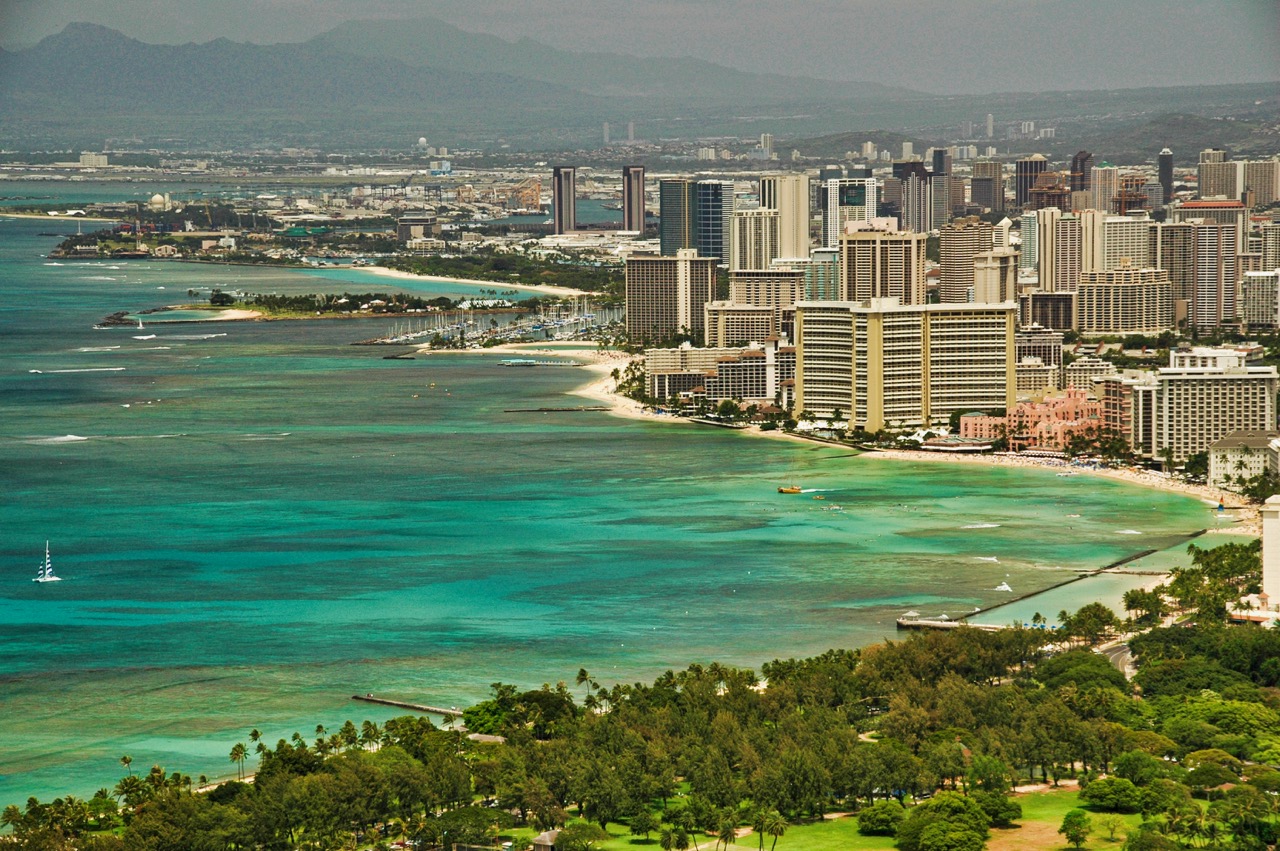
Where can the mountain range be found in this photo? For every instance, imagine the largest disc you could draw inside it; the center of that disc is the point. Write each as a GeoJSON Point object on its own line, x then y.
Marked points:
{"type": "Point", "coordinates": [367, 80]}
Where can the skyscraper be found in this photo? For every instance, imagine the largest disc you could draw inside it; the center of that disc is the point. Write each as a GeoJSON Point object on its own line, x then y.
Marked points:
{"type": "Point", "coordinates": [1027, 230]}
{"type": "Point", "coordinates": [633, 198]}
{"type": "Point", "coordinates": [753, 239]}
{"type": "Point", "coordinates": [789, 195]}
{"type": "Point", "coordinates": [606, 134]}
{"type": "Point", "coordinates": [849, 199]}
{"type": "Point", "coordinates": [666, 296]}
{"type": "Point", "coordinates": [987, 185]}
{"type": "Point", "coordinates": [1025, 172]}
{"type": "Point", "coordinates": [564, 199]}
{"type": "Point", "coordinates": [1104, 186]}
{"type": "Point", "coordinates": [1164, 168]}
{"type": "Point", "coordinates": [941, 161]}
{"type": "Point", "coordinates": [1081, 165]}
{"type": "Point", "coordinates": [991, 126]}
{"type": "Point", "coordinates": [882, 264]}
{"type": "Point", "coordinates": [677, 215]}
{"type": "Point", "coordinates": [959, 242]}
{"type": "Point", "coordinates": [714, 215]}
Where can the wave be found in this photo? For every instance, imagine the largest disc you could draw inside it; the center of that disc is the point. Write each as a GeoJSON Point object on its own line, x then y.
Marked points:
{"type": "Point", "coordinates": [154, 349]}
{"type": "Point", "coordinates": [987, 558]}
{"type": "Point", "coordinates": [981, 526]}
{"type": "Point", "coordinates": [99, 278]}
{"type": "Point", "coordinates": [145, 337]}
{"type": "Point", "coordinates": [192, 336]}
{"type": "Point", "coordinates": [91, 369]}
{"type": "Point", "coordinates": [98, 349]}
{"type": "Point", "coordinates": [66, 438]}
{"type": "Point", "coordinates": [1128, 532]}
{"type": "Point", "coordinates": [816, 490]}
{"type": "Point", "coordinates": [276, 436]}
{"type": "Point", "coordinates": [55, 264]}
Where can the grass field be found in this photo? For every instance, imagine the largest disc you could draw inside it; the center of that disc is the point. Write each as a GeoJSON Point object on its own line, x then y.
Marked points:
{"type": "Point", "coordinates": [1042, 814]}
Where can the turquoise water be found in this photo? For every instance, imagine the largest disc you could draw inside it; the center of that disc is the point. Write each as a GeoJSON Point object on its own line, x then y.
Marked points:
{"type": "Point", "coordinates": [253, 527]}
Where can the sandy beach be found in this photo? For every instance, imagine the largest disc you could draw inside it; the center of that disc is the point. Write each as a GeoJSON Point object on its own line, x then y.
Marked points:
{"type": "Point", "coordinates": [500, 286]}
{"type": "Point", "coordinates": [1247, 522]}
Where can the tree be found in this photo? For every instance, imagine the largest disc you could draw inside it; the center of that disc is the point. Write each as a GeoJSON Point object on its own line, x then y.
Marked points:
{"type": "Point", "coordinates": [644, 823]}
{"type": "Point", "coordinates": [238, 753]}
{"type": "Point", "coordinates": [775, 825]}
{"type": "Point", "coordinates": [581, 836]}
{"type": "Point", "coordinates": [958, 814]}
{"type": "Point", "coordinates": [1076, 827]}
{"type": "Point", "coordinates": [1111, 823]}
{"type": "Point", "coordinates": [127, 762]}
{"type": "Point", "coordinates": [1112, 795]}
{"type": "Point", "coordinates": [881, 818]}
{"type": "Point", "coordinates": [728, 829]}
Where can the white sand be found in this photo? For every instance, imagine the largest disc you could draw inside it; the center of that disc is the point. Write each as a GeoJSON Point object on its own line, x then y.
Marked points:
{"type": "Point", "coordinates": [500, 286]}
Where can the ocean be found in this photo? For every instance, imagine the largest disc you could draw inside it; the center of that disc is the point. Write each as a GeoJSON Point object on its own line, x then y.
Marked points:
{"type": "Point", "coordinates": [255, 521]}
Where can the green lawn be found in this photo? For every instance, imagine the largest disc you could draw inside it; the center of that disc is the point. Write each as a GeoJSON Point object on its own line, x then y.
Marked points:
{"type": "Point", "coordinates": [1042, 813]}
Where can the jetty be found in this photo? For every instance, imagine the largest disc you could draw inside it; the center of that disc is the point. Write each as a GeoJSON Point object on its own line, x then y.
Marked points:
{"type": "Point", "coordinates": [453, 712]}
{"type": "Point", "coordinates": [917, 622]}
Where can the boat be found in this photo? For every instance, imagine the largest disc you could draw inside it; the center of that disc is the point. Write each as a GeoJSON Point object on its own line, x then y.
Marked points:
{"type": "Point", "coordinates": [1003, 586]}
{"type": "Point", "coordinates": [790, 489]}
{"type": "Point", "coordinates": [44, 573]}
{"type": "Point", "coordinates": [819, 496]}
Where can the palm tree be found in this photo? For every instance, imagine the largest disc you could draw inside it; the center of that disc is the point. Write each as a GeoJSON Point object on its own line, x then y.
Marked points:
{"type": "Point", "coordinates": [370, 734]}
{"type": "Point", "coordinates": [758, 817]}
{"type": "Point", "coordinates": [666, 839]}
{"type": "Point", "coordinates": [238, 754]}
{"type": "Point", "coordinates": [127, 762]}
{"type": "Point", "coordinates": [775, 826]}
{"type": "Point", "coordinates": [728, 831]}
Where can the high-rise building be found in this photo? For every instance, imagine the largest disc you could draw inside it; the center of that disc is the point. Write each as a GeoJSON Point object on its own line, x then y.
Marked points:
{"type": "Point", "coordinates": [959, 242]}
{"type": "Point", "coordinates": [564, 198]}
{"type": "Point", "coordinates": [1046, 222]}
{"type": "Point", "coordinates": [778, 287]}
{"type": "Point", "coordinates": [995, 276]}
{"type": "Point", "coordinates": [888, 365]}
{"type": "Point", "coordinates": [1067, 254]}
{"type": "Point", "coordinates": [916, 205]}
{"type": "Point", "coordinates": [789, 195]}
{"type": "Point", "coordinates": [1164, 171]}
{"type": "Point", "coordinates": [1127, 300]}
{"type": "Point", "coordinates": [1213, 155]}
{"type": "Point", "coordinates": [908, 150]}
{"type": "Point", "coordinates": [606, 134]}
{"type": "Point", "coordinates": [1260, 300]}
{"type": "Point", "coordinates": [941, 161]}
{"type": "Point", "coordinates": [1104, 187]}
{"type": "Point", "coordinates": [1231, 213]}
{"type": "Point", "coordinates": [677, 215]}
{"type": "Point", "coordinates": [821, 273]}
{"type": "Point", "coordinates": [1051, 190]}
{"type": "Point", "coordinates": [991, 126]}
{"type": "Point", "coordinates": [939, 200]}
{"type": "Point", "coordinates": [877, 263]}
{"type": "Point", "coordinates": [1270, 245]}
{"type": "Point", "coordinates": [730, 324]}
{"type": "Point", "coordinates": [990, 193]}
{"type": "Point", "coordinates": [1195, 406]}
{"type": "Point", "coordinates": [1045, 344]}
{"type": "Point", "coordinates": [753, 239]}
{"type": "Point", "coordinates": [714, 217]}
{"type": "Point", "coordinates": [848, 199]}
{"type": "Point", "coordinates": [1081, 168]}
{"type": "Point", "coordinates": [633, 198]}
{"type": "Point", "coordinates": [1220, 179]}
{"type": "Point", "coordinates": [1025, 172]}
{"type": "Point", "coordinates": [1111, 242]}
{"type": "Point", "coordinates": [666, 295]}
{"type": "Point", "coordinates": [1030, 258]}
{"type": "Point", "coordinates": [1262, 178]}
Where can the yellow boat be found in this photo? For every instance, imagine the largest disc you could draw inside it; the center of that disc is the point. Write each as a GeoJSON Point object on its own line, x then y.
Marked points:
{"type": "Point", "coordinates": [790, 489]}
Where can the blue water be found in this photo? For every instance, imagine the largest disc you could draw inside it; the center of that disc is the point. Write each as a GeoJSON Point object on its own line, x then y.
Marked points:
{"type": "Point", "coordinates": [253, 527]}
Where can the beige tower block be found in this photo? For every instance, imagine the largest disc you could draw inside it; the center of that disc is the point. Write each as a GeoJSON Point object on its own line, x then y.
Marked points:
{"type": "Point", "coordinates": [1271, 551]}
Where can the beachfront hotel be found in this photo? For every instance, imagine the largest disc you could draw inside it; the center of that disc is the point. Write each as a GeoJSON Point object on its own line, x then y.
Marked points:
{"type": "Point", "coordinates": [889, 365]}
{"type": "Point", "coordinates": [666, 295]}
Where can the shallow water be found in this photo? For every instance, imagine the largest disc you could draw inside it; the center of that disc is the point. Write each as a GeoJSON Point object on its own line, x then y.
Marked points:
{"type": "Point", "coordinates": [253, 527]}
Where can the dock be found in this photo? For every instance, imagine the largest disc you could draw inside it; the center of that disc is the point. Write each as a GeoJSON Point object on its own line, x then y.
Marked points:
{"type": "Point", "coordinates": [414, 707]}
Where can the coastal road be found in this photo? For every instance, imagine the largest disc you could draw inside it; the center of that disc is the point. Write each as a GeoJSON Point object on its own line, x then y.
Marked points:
{"type": "Point", "coordinates": [1121, 656]}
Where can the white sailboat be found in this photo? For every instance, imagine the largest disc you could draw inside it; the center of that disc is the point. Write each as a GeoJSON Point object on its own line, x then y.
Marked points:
{"type": "Point", "coordinates": [44, 573]}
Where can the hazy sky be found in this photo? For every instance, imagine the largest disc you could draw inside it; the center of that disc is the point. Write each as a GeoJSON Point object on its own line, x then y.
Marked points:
{"type": "Point", "coordinates": [948, 46]}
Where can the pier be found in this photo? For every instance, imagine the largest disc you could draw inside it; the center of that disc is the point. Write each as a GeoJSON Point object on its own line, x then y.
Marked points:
{"type": "Point", "coordinates": [414, 707]}
{"type": "Point", "coordinates": [575, 410]}
{"type": "Point", "coordinates": [1112, 568]}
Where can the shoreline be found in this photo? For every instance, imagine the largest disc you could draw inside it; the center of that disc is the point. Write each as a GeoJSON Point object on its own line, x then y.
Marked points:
{"type": "Point", "coordinates": [1246, 515]}
{"type": "Point", "coordinates": [398, 274]}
